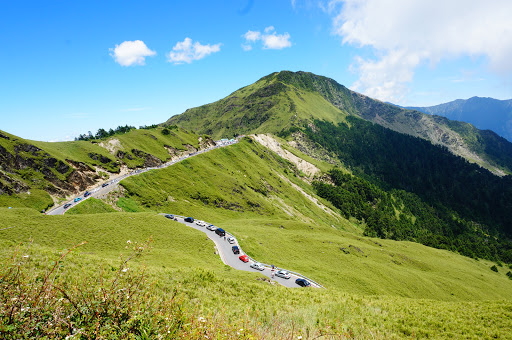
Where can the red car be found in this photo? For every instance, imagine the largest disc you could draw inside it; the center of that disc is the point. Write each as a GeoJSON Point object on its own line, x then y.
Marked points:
{"type": "Point", "coordinates": [244, 258]}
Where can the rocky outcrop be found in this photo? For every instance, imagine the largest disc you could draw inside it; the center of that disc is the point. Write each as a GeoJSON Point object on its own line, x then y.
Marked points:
{"type": "Point", "coordinates": [149, 159]}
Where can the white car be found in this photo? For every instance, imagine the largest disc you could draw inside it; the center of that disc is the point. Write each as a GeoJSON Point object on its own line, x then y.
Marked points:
{"type": "Point", "coordinates": [231, 239]}
{"type": "Point", "coordinates": [283, 273]}
{"type": "Point", "coordinates": [211, 227]}
{"type": "Point", "coordinates": [257, 266]}
{"type": "Point", "coordinates": [200, 223]}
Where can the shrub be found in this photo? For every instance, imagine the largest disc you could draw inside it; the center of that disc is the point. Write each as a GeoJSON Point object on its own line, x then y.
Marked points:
{"type": "Point", "coordinates": [494, 268]}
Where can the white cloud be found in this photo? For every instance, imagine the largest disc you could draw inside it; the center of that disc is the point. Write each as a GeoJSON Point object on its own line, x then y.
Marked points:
{"type": "Point", "coordinates": [130, 53]}
{"type": "Point", "coordinates": [186, 51]}
{"type": "Point", "coordinates": [252, 36]}
{"type": "Point", "coordinates": [407, 33]}
{"type": "Point", "coordinates": [269, 39]}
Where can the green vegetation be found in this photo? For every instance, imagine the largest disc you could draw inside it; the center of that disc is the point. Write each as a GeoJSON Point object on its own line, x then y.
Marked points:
{"type": "Point", "coordinates": [181, 280]}
{"type": "Point", "coordinates": [32, 170]}
{"type": "Point", "coordinates": [245, 189]}
{"type": "Point", "coordinates": [102, 133]}
{"type": "Point", "coordinates": [91, 206]}
{"type": "Point", "coordinates": [268, 105]}
{"type": "Point", "coordinates": [462, 207]}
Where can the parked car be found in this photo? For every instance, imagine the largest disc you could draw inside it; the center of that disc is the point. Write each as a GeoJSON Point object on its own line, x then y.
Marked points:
{"type": "Point", "coordinates": [257, 266]}
{"type": "Point", "coordinates": [77, 199]}
{"type": "Point", "coordinates": [231, 239]}
{"type": "Point", "coordinates": [67, 205]}
{"type": "Point", "coordinates": [220, 232]}
{"type": "Point", "coordinates": [87, 194]}
{"type": "Point", "coordinates": [235, 250]}
{"type": "Point", "coordinates": [104, 185]}
{"type": "Point", "coordinates": [199, 223]}
{"type": "Point", "coordinates": [211, 227]}
{"type": "Point", "coordinates": [170, 216]}
{"type": "Point", "coordinates": [189, 219]}
{"type": "Point", "coordinates": [244, 258]}
{"type": "Point", "coordinates": [283, 273]}
{"type": "Point", "coordinates": [303, 282]}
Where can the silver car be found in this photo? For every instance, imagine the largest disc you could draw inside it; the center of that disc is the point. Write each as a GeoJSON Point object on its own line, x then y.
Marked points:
{"type": "Point", "coordinates": [257, 266]}
{"type": "Point", "coordinates": [231, 239]}
{"type": "Point", "coordinates": [211, 227]}
{"type": "Point", "coordinates": [283, 273]}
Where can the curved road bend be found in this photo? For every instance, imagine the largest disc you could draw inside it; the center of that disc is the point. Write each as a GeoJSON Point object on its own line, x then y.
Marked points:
{"type": "Point", "coordinates": [102, 190]}
{"type": "Point", "coordinates": [232, 260]}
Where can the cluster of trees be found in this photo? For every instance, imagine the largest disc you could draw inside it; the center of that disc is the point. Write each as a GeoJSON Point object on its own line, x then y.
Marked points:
{"type": "Point", "coordinates": [448, 196]}
{"type": "Point", "coordinates": [400, 215]}
{"type": "Point", "coordinates": [102, 133]}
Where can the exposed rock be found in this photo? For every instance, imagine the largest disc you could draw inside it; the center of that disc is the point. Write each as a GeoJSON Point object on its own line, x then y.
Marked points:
{"type": "Point", "coordinates": [149, 159]}
{"type": "Point", "coordinates": [81, 166]}
{"type": "Point", "coordinates": [98, 157]}
{"type": "Point", "coordinates": [272, 144]}
{"type": "Point", "coordinates": [112, 145]}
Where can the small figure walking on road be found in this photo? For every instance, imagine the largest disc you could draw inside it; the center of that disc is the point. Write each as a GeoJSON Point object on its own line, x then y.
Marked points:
{"type": "Point", "coordinates": [272, 272]}
{"type": "Point", "coordinates": [224, 237]}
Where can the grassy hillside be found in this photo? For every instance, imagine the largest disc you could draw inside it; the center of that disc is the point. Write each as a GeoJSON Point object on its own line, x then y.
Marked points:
{"type": "Point", "coordinates": [183, 260]}
{"type": "Point", "coordinates": [245, 189]}
{"type": "Point", "coordinates": [265, 106]}
{"type": "Point", "coordinates": [32, 172]}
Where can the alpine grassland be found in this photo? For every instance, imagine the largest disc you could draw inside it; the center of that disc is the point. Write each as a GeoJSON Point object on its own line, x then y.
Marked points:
{"type": "Point", "coordinates": [124, 275]}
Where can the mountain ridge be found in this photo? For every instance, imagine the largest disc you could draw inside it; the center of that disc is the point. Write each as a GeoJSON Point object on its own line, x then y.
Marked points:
{"type": "Point", "coordinates": [283, 101]}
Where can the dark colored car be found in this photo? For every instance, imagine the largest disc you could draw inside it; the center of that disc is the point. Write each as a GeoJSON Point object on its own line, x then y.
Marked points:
{"type": "Point", "coordinates": [67, 205]}
{"type": "Point", "coordinates": [235, 250]}
{"type": "Point", "coordinates": [220, 232]}
{"type": "Point", "coordinates": [302, 282]}
{"type": "Point", "coordinates": [87, 194]}
{"type": "Point", "coordinates": [189, 219]}
{"type": "Point", "coordinates": [104, 185]}
{"type": "Point", "coordinates": [244, 258]}
{"type": "Point", "coordinates": [170, 216]}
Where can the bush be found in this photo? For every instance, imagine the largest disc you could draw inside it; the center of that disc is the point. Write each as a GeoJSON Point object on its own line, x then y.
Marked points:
{"type": "Point", "coordinates": [165, 132]}
{"type": "Point", "coordinates": [494, 268]}
{"type": "Point", "coordinates": [509, 274]}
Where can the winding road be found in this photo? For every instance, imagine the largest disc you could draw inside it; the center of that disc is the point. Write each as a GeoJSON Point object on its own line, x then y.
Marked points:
{"type": "Point", "coordinates": [105, 187]}
{"type": "Point", "coordinates": [232, 260]}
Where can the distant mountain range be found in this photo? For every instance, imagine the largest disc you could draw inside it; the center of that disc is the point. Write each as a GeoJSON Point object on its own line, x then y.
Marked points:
{"type": "Point", "coordinates": [483, 113]}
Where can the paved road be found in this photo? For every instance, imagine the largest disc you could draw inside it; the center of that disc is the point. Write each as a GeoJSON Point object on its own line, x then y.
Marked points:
{"type": "Point", "coordinates": [232, 260]}
{"type": "Point", "coordinates": [112, 184]}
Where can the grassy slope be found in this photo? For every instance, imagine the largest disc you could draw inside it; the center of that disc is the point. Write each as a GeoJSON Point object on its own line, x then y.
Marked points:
{"type": "Point", "coordinates": [265, 106]}
{"type": "Point", "coordinates": [90, 206]}
{"type": "Point", "coordinates": [306, 242]}
{"type": "Point", "coordinates": [214, 289]}
{"type": "Point", "coordinates": [78, 151]}
{"type": "Point", "coordinates": [150, 141]}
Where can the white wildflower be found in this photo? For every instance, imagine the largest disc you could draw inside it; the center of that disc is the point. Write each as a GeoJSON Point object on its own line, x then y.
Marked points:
{"type": "Point", "coordinates": [124, 270]}
{"type": "Point", "coordinates": [129, 242]}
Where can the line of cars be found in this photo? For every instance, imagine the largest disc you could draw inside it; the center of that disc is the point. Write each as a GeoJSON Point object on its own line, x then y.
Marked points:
{"type": "Point", "coordinates": [236, 250]}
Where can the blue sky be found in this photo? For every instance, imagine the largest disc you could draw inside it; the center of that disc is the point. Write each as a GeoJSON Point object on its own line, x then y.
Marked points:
{"type": "Point", "coordinates": [68, 67]}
